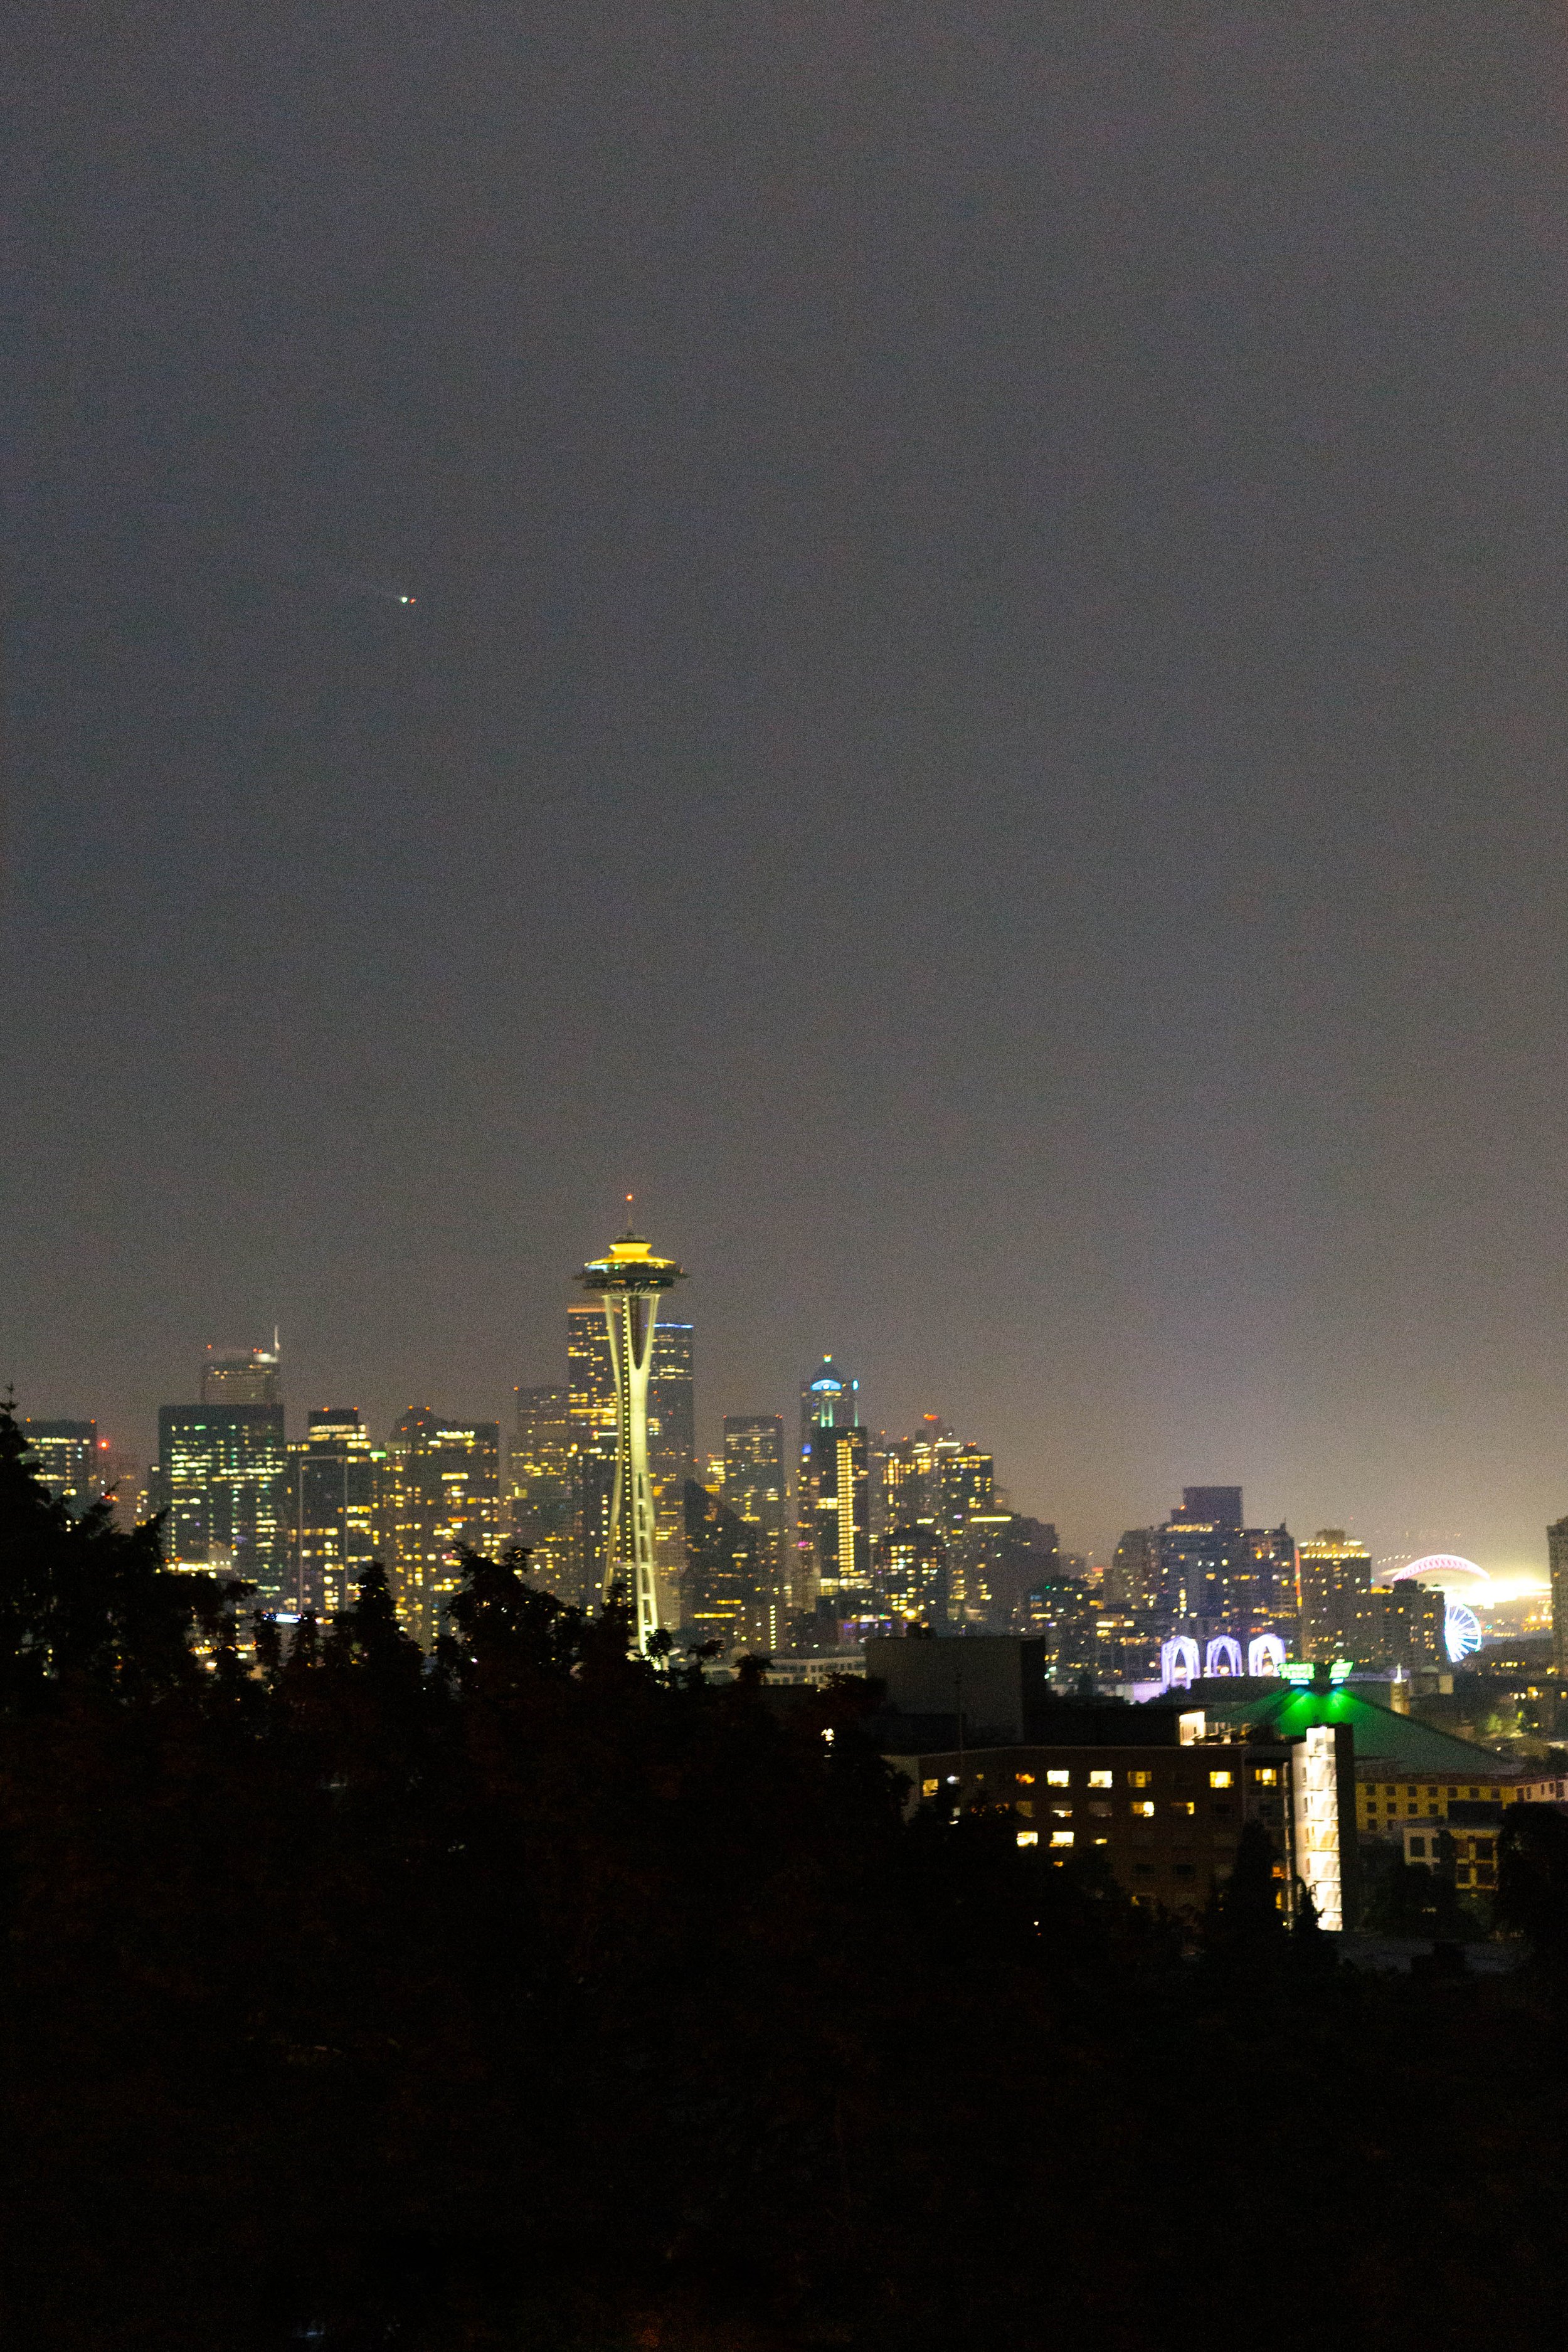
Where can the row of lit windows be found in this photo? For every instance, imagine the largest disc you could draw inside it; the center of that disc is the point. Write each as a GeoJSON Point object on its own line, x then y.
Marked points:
{"type": "Point", "coordinates": [1430, 1795]}
{"type": "Point", "coordinates": [1265, 1776]}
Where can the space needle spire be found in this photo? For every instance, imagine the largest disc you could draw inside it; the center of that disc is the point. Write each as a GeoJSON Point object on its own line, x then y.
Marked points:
{"type": "Point", "coordinates": [630, 1281]}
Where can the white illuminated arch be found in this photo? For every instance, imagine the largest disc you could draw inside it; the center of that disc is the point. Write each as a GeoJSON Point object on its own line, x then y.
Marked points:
{"type": "Point", "coordinates": [1223, 1655]}
{"type": "Point", "coordinates": [1179, 1662]}
{"type": "Point", "coordinates": [1266, 1656]}
{"type": "Point", "coordinates": [1440, 1568]}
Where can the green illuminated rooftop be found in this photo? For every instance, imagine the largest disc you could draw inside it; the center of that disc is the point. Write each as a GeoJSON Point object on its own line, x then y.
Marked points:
{"type": "Point", "coordinates": [1398, 1740]}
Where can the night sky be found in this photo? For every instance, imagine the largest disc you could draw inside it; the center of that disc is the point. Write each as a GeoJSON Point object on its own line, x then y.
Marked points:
{"type": "Point", "coordinates": [984, 722]}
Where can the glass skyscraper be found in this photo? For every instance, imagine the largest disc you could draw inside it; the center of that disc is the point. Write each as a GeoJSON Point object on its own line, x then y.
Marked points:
{"type": "Point", "coordinates": [448, 1501]}
{"type": "Point", "coordinates": [539, 1486]}
{"type": "Point", "coordinates": [222, 1479]}
{"type": "Point", "coordinates": [66, 1454]}
{"type": "Point", "coordinates": [334, 1489]}
{"type": "Point", "coordinates": [671, 1454]}
{"type": "Point", "coordinates": [756, 1490]}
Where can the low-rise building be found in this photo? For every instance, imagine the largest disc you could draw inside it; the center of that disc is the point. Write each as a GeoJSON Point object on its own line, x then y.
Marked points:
{"type": "Point", "coordinates": [1162, 1795]}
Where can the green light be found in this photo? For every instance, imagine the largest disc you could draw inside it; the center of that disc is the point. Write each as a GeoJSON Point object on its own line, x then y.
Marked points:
{"type": "Point", "coordinates": [1342, 1670]}
{"type": "Point", "coordinates": [1299, 1674]}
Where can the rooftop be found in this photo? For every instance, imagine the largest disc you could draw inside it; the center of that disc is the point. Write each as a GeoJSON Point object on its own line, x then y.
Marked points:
{"type": "Point", "coordinates": [1400, 1742]}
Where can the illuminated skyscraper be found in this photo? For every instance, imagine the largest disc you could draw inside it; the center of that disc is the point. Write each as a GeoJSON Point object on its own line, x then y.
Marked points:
{"type": "Point", "coordinates": [448, 1501]}
{"type": "Point", "coordinates": [630, 1281]}
{"type": "Point", "coordinates": [334, 1475]}
{"type": "Point", "coordinates": [912, 1581]}
{"type": "Point", "coordinates": [540, 1489]}
{"type": "Point", "coordinates": [67, 1456]}
{"type": "Point", "coordinates": [221, 1476]}
{"type": "Point", "coordinates": [671, 1454]}
{"type": "Point", "coordinates": [1135, 1573]}
{"type": "Point", "coordinates": [242, 1375]}
{"type": "Point", "coordinates": [1335, 1579]}
{"type": "Point", "coordinates": [829, 1399]}
{"type": "Point", "coordinates": [722, 1594]}
{"type": "Point", "coordinates": [591, 1399]}
{"type": "Point", "coordinates": [837, 1465]}
{"type": "Point", "coordinates": [755, 1490]}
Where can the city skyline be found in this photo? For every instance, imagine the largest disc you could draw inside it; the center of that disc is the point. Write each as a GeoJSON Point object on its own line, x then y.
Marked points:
{"type": "Point", "coordinates": [1387, 1541]}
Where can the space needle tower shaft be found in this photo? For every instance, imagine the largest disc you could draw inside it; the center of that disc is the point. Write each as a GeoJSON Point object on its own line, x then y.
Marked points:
{"type": "Point", "coordinates": [630, 1281]}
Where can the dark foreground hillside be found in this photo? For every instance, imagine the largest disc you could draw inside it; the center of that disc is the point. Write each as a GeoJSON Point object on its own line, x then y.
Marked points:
{"type": "Point", "coordinates": [531, 1997]}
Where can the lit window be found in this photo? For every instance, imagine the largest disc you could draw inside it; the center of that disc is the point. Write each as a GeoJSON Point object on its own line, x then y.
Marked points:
{"type": "Point", "coordinates": [1027, 1779]}
{"type": "Point", "coordinates": [929, 1788]}
{"type": "Point", "coordinates": [1139, 1779]}
{"type": "Point", "coordinates": [1145, 1807]}
{"type": "Point", "coordinates": [1182, 1805]}
{"type": "Point", "coordinates": [1100, 1779]}
{"type": "Point", "coordinates": [1028, 1837]}
{"type": "Point", "coordinates": [1267, 1776]}
{"type": "Point", "coordinates": [1060, 1780]}
{"type": "Point", "coordinates": [1219, 1780]}
{"type": "Point", "coordinates": [1061, 1837]}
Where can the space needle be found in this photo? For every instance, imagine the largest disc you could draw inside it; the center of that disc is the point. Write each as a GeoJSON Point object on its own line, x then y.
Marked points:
{"type": "Point", "coordinates": [630, 1281]}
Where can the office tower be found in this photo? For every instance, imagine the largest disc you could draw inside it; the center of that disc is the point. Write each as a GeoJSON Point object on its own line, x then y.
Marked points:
{"type": "Point", "coordinates": [906, 1468]}
{"type": "Point", "coordinates": [1335, 1577]}
{"type": "Point", "coordinates": [447, 1501]}
{"type": "Point", "coordinates": [630, 1281]}
{"type": "Point", "coordinates": [65, 1454]}
{"type": "Point", "coordinates": [591, 1399]}
{"type": "Point", "coordinates": [829, 1399]}
{"type": "Point", "coordinates": [966, 1483]}
{"type": "Point", "coordinates": [124, 1489]}
{"type": "Point", "coordinates": [1557, 1567]}
{"type": "Point", "coordinates": [721, 1597]}
{"type": "Point", "coordinates": [242, 1375]}
{"type": "Point", "coordinates": [836, 1467]}
{"type": "Point", "coordinates": [756, 1489]}
{"type": "Point", "coordinates": [331, 1518]}
{"type": "Point", "coordinates": [221, 1476]}
{"type": "Point", "coordinates": [913, 1578]}
{"type": "Point", "coordinates": [994, 1560]}
{"type": "Point", "coordinates": [541, 1489]}
{"type": "Point", "coordinates": [1399, 1625]}
{"type": "Point", "coordinates": [1262, 1594]}
{"type": "Point", "coordinates": [671, 1456]}
{"type": "Point", "coordinates": [1134, 1582]}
